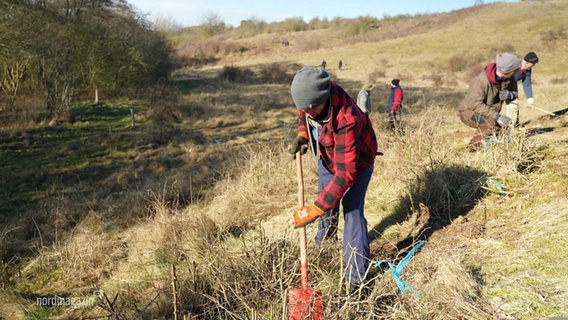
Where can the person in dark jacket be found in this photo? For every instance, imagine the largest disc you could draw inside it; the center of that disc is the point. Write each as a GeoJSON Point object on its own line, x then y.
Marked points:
{"type": "Point", "coordinates": [523, 75]}
{"type": "Point", "coordinates": [343, 138]}
{"type": "Point", "coordinates": [394, 106]}
{"type": "Point", "coordinates": [481, 107]}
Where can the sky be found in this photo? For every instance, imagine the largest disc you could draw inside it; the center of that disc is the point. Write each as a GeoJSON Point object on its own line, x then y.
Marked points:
{"type": "Point", "coordinates": [193, 12]}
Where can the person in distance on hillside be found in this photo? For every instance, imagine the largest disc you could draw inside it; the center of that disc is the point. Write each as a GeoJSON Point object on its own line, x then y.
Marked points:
{"type": "Point", "coordinates": [394, 106]}
{"type": "Point", "coordinates": [364, 98]}
{"type": "Point", "coordinates": [344, 142]}
{"type": "Point", "coordinates": [481, 106]}
{"type": "Point", "coordinates": [523, 75]}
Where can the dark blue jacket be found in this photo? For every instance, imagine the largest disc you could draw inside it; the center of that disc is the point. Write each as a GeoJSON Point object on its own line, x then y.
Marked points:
{"type": "Point", "coordinates": [525, 77]}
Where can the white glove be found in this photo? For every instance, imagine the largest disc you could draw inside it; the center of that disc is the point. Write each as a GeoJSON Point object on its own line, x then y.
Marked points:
{"type": "Point", "coordinates": [530, 101]}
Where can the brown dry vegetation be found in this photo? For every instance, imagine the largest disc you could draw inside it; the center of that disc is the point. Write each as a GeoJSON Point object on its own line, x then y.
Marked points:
{"type": "Point", "coordinates": [204, 184]}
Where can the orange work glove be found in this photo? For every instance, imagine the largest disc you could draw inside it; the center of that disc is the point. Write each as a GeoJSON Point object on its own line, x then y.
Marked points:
{"type": "Point", "coordinates": [305, 215]}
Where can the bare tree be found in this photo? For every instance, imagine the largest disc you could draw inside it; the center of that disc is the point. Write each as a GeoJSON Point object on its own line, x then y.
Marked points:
{"type": "Point", "coordinates": [57, 50]}
{"type": "Point", "coordinates": [212, 23]}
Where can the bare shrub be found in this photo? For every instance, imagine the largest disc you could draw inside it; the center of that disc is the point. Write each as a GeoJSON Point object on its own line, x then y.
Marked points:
{"type": "Point", "coordinates": [376, 74]}
{"type": "Point", "coordinates": [508, 47]}
{"type": "Point", "coordinates": [275, 73]}
{"type": "Point", "coordinates": [294, 24]}
{"type": "Point", "coordinates": [199, 53]}
{"type": "Point", "coordinates": [188, 55]}
{"type": "Point", "coordinates": [457, 62]}
{"type": "Point", "coordinates": [212, 24]}
{"type": "Point", "coordinates": [251, 27]}
{"type": "Point", "coordinates": [87, 259]}
{"type": "Point", "coordinates": [552, 36]}
{"type": "Point", "coordinates": [254, 165]}
{"type": "Point", "coordinates": [227, 48]}
{"type": "Point", "coordinates": [162, 114]}
{"type": "Point", "coordinates": [235, 74]}
{"type": "Point", "coordinates": [559, 80]}
{"type": "Point", "coordinates": [309, 45]}
{"type": "Point", "coordinates": [315, 23]}
{"type": "Point", "coordinates": [182, 236]}
{"type": "Point", "coordinates": [437, 79]}
{"type": "Point", "coordinates": [195, 62]}
{"type": "Point", "coordinates": [448, 191]}
{"type": "Point", "coordinates": [210, 47]}
{"type": "Point", "coordinates": [505, 47]}
{"type": "Point", "coordinates": [361, 25]}
{"type": "Point", "coordinates": [473, 71]}
{"type": "Point", "coordinates": [513, 154]}
{"type": "Point", "coordinates": [230, 283]}
{"type": "Point", "coordinates": [405, 77]}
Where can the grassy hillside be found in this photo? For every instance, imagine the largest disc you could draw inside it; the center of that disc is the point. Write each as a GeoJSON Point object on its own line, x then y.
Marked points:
{"type": "Point", "coordinates": [101, 213]}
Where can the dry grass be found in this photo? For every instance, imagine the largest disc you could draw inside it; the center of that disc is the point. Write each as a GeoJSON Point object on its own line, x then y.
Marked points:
{"type": "Point", "coordinates": [224, 221]}
{"type": "Point", "coordinates": [450, 273]}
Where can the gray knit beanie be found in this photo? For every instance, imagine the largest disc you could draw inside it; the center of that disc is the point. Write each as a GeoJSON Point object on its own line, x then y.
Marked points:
{"type": "Point", "coordinates": [310, 87]}
{"type": "Point", "coordinates": [507, 62]}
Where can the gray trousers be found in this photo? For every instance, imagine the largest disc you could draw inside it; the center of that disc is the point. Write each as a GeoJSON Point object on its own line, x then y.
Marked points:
{"type": "Point", "coordinates": [512, 111]}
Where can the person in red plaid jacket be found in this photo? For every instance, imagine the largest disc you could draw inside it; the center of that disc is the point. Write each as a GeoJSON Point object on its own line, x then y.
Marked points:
{"type": "Point", "coordinates": [344, 141]}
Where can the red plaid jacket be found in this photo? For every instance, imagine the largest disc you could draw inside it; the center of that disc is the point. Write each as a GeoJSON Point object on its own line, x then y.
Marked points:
{"type": "Point", "coordinates": [347, 143]}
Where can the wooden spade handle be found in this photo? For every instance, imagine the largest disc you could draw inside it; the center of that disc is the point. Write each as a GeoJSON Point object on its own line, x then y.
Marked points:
{"type": "Point", "coordinates": [302, 230]}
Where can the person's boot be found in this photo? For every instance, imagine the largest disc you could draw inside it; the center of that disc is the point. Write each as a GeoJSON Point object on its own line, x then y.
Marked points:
{"type": "Point", "coordinates": [475, 144]}
{"type": "Point", "coordinates": [358, 291]}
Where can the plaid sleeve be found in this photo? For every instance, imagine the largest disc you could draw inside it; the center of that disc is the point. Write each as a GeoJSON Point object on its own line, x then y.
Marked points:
{"type": "Point", "coordinates": [348, 146]}
{"type": "Point", "coordinates": [302, 125]}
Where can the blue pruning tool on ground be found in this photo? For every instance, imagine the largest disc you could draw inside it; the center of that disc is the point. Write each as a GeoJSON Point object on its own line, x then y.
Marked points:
{"type": "Point", "coordinates": [402, 285]}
